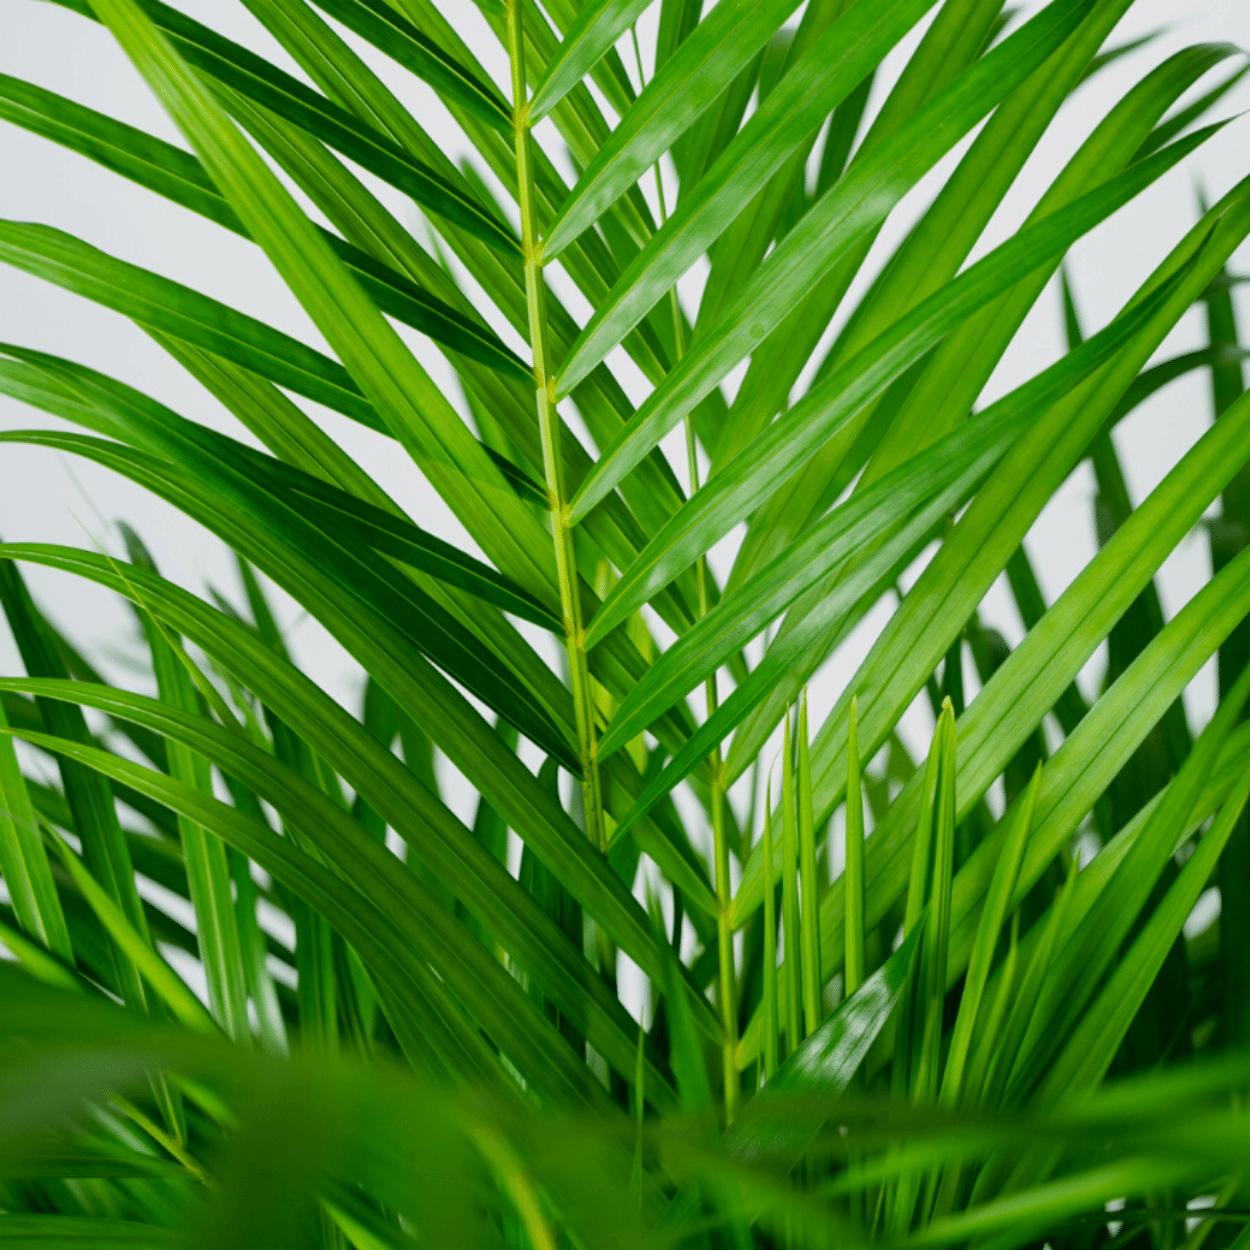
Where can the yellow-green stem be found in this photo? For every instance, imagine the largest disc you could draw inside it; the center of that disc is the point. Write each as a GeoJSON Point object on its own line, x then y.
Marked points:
{"type": "Point", "coordinates": [549, 433]}
{"type": "Point", "coordinates": [770, 944]}
{"type": "Point", "coordinates": [727, 991]}
{"type": "Point", "coordinates": [724, 932]}
{"type": "Point", "coordinates": [854, 869]}
{"type": "Point", "coordinates": [792, 993]}
{"type": "Point", "coordinates": [720, 838]}
{"type": "Point", "coordinates": [808, 883]}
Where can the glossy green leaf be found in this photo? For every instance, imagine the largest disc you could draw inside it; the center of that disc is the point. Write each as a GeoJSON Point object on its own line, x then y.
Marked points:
{"type": "Point", "coordinates": [207, 868]}
{"type": "Point", "coordinates": [826, 1061]}
{"type": "Point", "coordinates": [386, 28]}
{"type": "Point", "coordinates": [166, 986]}
{"type": "Point", "coordinates": [826, 597]}
{"type": "Point", "coordinates": [598, 26]}
{"type": "Point", "coordinates": [412, 614]}
{"type": "Point", "coordinates": [24, 860]}
{"type": "Point", "coordinates": [243, 70]}
{"type": "Point", "coordinates": [687, 85]}
{"type": "Point", "coordinates": [993, 917]}
{"type": "Point", "coordinates": [376, 774]}
{"type": "Point", "coordinates": [89, 797]}
{"type": "Point", "coordinates": [1079, 417]}
{"type": "Point", "coordinates": [174, 309]}
{"type": "Point", "coordinates": [848, 211]}
{"type": "Point", "coordinates": [175, 174]}
{"type": "Point", "coordinates": [918, 409]}
{"type": "Point", "coordinates": [344, 905]}
{"type": "Point", "coordinates": [784, 447]}
{"type": "Point", "coordinates": [788, 115]}
{"type": "Point", "coordinates": [381, 881]}
{"type": "Point", "coordinates": [1091, 1048]}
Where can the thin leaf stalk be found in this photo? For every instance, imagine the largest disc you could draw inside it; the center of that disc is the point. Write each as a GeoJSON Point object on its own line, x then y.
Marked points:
{"type": "Point", "coordinates": [853, 874]}
{"type": "Point", "coordinates": [770, 944]}
{"type": "Point", "coordinates": [726, 977]}
{"type": "Point", "coordinates": [549, 436]}
{"type": "Point", "coordinates": [809, 886]}
{"type": "Point", "coordinates": [792, 995]}
{"type": "Point", "coordinates": [727, 988]}
{"type": "Point", "coordinates": [724, 929]}
{"type": "Point", "coordinates": [853, 974]}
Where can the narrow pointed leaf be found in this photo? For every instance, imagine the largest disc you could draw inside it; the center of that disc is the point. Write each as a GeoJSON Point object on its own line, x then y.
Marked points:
{"type": "Point", "coordinates": [599, 25]}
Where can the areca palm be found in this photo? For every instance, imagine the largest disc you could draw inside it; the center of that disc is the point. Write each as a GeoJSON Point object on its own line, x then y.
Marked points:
{"type": "Point", "coordinates": [705, 959]}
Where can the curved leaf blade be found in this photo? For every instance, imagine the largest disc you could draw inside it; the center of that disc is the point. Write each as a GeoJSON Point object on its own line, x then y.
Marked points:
{"type": "Point", "coordinates": [825, 76]}
{"type": "Point", "coordinates": [598, 26]}
{"type": "Point", "coordinates": [846, 214]}
{"type": "Point", "coordinates": [177, 175]}
{"type": "Point", "coordinates": [686, 86]}
{"type": "Point", "coordinates": [786, 445]}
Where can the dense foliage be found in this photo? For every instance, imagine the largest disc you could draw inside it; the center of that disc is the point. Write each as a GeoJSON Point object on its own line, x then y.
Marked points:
{"type": "Point", "coordinates": [703, 964]}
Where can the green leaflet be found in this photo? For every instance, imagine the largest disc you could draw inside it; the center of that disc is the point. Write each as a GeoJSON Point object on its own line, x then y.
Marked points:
{"type": "Point", "coordinates": [921, 408]}
{"type": "Point", "coordinates": [385, 28]}
{"type": "Point", "coordinates": [396, 902]}
{"type": "Point", "coordinates": [126, 413]}
{"type": "Point", "coordinates": [24, 860]}
{"type": "Point", "coordinates": [399, 389]}
{"type": "Point", "coordinates": [175, 174]}
{"type": "Point", "coordinates": [608, 74]}
{"type": "Point", "coordinates": [160, 303]}
{"type": "Point", "coordinates": [329, 934]}
{"type": "Point", "coordinates": [847, 212]}
{"type": "Point", "coordinates": [235, 509]}
{"type": "Point", "coordinates": [786, 445]}
{"type": "Point", "coordinates": [689, 83]}
{"type": "Point", "coordinates": [390, 788]}
{"type": "Point", "coordinates": [809, 886]}
{"type": "Point", "coordinates": [786, 117]}
{"type": "Point", "coordinates": [239, 68]}
{"type": "Point", "coordinates": [943, 473]}
{"type": "Point", "coordinates": [89, 796]}
{"type": "Point", "coordinates": [993, 918]}
{"type": "Point", "coordinates": [1011, 494]}
{"type": "Point", "coordinates": [205, 859]}
{"type": "Point", "coordinates": [1092, 1045]}
{"type": "Point", "coordinates": [362, 923]}
{"type": "Point", "coordinates": [170, 308]}
{"type": "Point", "coordinates": [598, 26]}
{"type": "Point", "coordinates": [853, 859]}
{"type": "Point", "coordinates": [826, 1061]}
{"type": "Point", "coordinates": [1077, 774]}
{"type": "Point", "coordinates": [827, 598]}
{"type": "Point", "coordinates": [166, 986]}
{"type": "Point", "coordinates": [119, 411]}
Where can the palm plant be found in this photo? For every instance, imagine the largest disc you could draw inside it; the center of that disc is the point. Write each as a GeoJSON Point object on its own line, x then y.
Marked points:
{"type": "Point", "coordinates": [704, 963]}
